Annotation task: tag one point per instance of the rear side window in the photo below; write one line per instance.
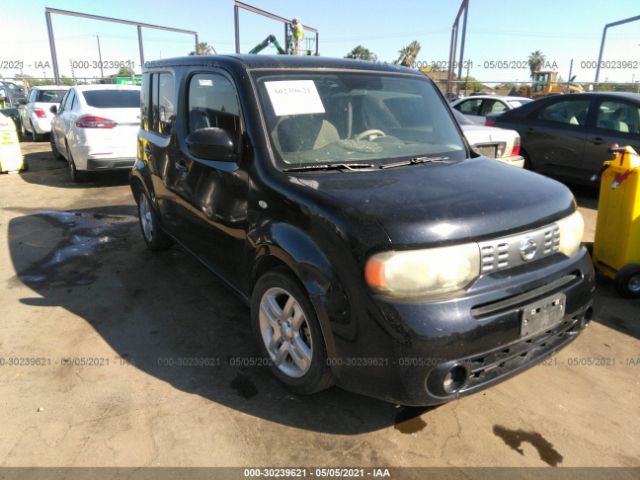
(164, 104)
(48, 96)
(570, 112)
(213, 102)
(469, 107)
(619, 117)
(112, 98)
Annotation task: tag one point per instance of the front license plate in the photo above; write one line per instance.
(543, 314)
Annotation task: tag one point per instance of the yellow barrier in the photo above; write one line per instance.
(11, 160)
(616, 249)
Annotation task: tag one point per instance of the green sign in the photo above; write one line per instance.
(137, 80)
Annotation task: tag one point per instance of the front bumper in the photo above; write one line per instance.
(414, 345)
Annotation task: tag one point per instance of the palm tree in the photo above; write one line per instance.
(204, 49)
(408, 54)
(536, 61)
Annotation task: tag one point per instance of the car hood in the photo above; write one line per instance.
(429, 204)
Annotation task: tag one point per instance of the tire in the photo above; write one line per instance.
(527, 160)
(54, 150)
(153, 235)
(628, 281)
(36, 137)
(74, 175)
(286, 327)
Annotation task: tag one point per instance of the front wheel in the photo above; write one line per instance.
(154, 236)
(287, 329)
(74, 175)
(628, 281)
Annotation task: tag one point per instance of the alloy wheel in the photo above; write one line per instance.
(285, 332)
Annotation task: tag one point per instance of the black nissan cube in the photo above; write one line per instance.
(340, 200)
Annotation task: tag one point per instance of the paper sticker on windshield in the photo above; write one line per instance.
(294, 97)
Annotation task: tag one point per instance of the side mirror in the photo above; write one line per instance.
(211, 144)
(53, 109)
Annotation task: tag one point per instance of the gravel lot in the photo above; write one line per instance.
(98, 326)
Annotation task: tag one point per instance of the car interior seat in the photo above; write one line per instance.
(297, 133)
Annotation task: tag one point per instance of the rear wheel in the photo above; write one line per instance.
(54, 149)
(527, 160)
(36, 137)
(74, 175)
(154, 236)
(287, 329)
(628, 281)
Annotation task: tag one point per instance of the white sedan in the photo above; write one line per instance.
(36, 116)
(492, 142)
(95, 128)
(477, 107)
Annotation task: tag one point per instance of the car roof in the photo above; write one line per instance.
(279, 61)
(106, 86)
(51, 87)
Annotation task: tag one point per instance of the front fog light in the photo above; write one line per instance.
(571, 232)
(426, 272)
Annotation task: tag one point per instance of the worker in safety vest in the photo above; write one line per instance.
(3, 97)
(297, 34)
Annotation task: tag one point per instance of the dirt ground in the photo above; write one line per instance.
(95, 327)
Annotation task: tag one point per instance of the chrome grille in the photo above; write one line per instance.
(505, 252)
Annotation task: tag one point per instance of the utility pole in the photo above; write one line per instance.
(100, 57)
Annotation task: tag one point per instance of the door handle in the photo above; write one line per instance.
(597, 140)
(181, 166)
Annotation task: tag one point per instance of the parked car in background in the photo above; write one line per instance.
(12, 97)
(36, 116)
(477, 107)
(498, 143)
(568, 136)
(95, 128)
(340, 200)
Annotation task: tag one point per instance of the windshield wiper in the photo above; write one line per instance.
(329, 166)
(416, 161)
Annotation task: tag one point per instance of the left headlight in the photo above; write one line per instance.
(428, 272)
(571, 232)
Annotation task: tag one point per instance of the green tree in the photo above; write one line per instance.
(472, 84)
(362, 53)
(203, 49)
(408, 54)
(536, 61)
(125, 72)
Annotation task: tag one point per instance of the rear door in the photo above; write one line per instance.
(615, 122)
(210, 195)
(554, 137)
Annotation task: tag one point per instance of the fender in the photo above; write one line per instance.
(282, 243)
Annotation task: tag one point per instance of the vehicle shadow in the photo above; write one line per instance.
(168, 316)
(44, 169)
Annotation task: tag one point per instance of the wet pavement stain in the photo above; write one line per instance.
(75, 260)
(408, 420)
(515, 438)
(244, 386)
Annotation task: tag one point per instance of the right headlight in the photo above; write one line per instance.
(425, 272)
(571, 232)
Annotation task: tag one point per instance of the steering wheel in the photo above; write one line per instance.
(369, 133)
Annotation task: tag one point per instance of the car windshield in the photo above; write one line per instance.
(50, 96)
(338, 117)
(112, 98)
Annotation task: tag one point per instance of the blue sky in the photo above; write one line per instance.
(497, 30)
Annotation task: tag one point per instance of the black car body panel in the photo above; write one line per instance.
(572, 151)
(244, 217)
